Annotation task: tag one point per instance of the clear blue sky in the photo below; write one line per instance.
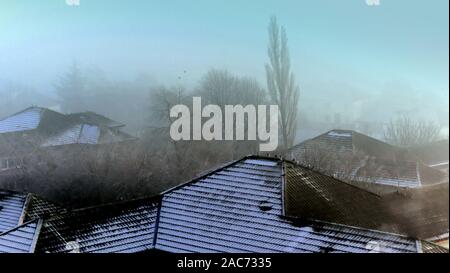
(398, 47)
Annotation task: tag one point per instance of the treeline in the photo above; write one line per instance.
(85, 175)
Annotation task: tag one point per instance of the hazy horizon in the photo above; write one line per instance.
(368, 62)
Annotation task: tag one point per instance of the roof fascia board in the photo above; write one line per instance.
(36, 235)
(25, 208)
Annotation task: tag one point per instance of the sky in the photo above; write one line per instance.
(343, 53)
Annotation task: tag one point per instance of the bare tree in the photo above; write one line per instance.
(281, 82)
(218, 87)
(162, 100)
(221, 87)
(405, 132)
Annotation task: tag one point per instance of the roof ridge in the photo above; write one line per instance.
(205, 174)
(119, 124)
(334, 178)
(321, 135)
(23, 111)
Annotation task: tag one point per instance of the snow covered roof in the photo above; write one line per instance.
(55, 129)
(116, 228)
(11, 209)
(237, 208)
(28, 119)
(21, 239)
(383, 163)
(15, 208)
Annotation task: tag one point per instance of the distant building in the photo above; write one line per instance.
(242, 207)
(352, 156)
(36, 129)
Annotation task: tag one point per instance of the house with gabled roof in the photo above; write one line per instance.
(237, 208)
(27, 136)
(352, 156)
(43, 127)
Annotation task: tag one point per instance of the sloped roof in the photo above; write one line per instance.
(86, 134)
(384, 164)
(97, 119)
(419, 213)
(57, 129)
(238, 208)
(15, 208)
(76, 134)
(11, 209)
(242, 207)
(21, 239)
(27, 119)
(428, 247)
(37, 207)
(118, 228)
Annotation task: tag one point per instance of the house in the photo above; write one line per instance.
(352, 156)
(36, 137)
(41, 127)
(237, 208)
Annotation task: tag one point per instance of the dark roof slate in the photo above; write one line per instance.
(27, 119)
(118, 228)
(56, 129)
(373, 160)
(419, 213)
(97, 119)
(237, 208)
(17, 208)
(11, 209)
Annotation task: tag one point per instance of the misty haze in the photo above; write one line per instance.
(93, 92)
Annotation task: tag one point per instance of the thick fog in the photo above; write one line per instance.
(357, 66)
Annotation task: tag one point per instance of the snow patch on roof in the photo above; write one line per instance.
(339, 134)
(23, 121)
(77, 134)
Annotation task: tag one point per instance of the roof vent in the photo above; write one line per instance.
(265, 206)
